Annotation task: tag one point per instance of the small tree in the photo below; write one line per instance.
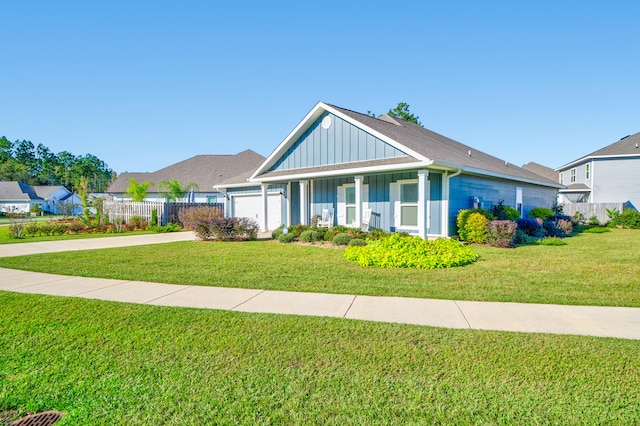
(401, 111)
(138, 191)
(172, 190)
(66, 208)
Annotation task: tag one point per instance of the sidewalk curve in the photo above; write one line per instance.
(601, 321)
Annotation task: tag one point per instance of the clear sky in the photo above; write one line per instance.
(145, 84)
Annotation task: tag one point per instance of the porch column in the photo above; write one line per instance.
(287, 200)
(445, 204)
(358, 180)
(423, 203)
(265, 209)
(303, 202)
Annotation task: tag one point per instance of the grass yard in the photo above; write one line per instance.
(108, 363)
(592, 269)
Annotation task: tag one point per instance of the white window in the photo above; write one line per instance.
(572, 175)
(409, 204)
(586, 171)
(561, 178)
(350, 203)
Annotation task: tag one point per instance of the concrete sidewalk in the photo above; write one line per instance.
(519, 317)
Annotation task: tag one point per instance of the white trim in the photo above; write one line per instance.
(594, 157)
(358, 184)
(397, 206)
(342, 172)
(480, 172)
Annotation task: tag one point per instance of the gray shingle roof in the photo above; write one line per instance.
(441, 149)
(541, 170)
(629, 145)
(17, 191)
(203, 170)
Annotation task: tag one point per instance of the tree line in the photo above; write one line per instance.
(22, 161)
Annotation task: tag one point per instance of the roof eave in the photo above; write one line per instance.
(475, 171)
(594, 157)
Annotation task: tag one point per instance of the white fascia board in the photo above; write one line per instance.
(593, 157)
(344, 172)
(317, 111)
(236, 185)
(481, 172)
(565, 190)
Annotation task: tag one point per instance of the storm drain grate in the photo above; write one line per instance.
(46, 418)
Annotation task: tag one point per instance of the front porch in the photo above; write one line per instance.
(414, 201)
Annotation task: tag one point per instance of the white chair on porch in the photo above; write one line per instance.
(366, 218)
(326, 221)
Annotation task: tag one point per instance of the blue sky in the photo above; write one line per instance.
(143, 85)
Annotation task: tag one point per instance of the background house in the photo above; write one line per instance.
(409, 178)
(18, 197)
(205, 171)
(608, 175)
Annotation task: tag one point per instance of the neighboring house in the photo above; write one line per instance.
(204, 171)
(18, 197)
(608, 175)
(543, 171)
(409, 178)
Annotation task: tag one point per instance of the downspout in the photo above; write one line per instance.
(445, 207)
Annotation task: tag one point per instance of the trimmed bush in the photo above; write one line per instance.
(540, 213)
(277, 232)
(359, 242)
(286, 238)
(169, 227)
(501, 233)
(298, 229)
(629, 218)
(593, 221)
(596, 230)
(226, 229)
(309, 236)
(463, 217)
(531, 227)
(190, 215)
(476, 228)
(500, 211)
(342, 239)
(522, 238)
(401, 251)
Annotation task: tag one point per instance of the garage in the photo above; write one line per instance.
(251, 206)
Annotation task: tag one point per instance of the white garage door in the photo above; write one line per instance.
(251, 206)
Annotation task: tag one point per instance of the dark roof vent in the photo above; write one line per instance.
(625, 137)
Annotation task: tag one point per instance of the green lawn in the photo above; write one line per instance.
(592, 269)
(109, 363)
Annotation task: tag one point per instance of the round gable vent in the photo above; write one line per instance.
(326, 122)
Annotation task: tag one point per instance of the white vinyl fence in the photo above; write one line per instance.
(167, 212)
(589, 210)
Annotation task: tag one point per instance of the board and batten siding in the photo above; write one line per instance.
(342, 142)
(490, 191)
(616, 180)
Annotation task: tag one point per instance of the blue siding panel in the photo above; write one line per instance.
(340, 143)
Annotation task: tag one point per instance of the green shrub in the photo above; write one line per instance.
(552, 241)
(359, 242)
(476, 228)
(309, 236)
(286, 238)
(32, 229)
(540, 213)
(500, 211)
(342, 239)
(298, 229)
(401, 251)
(377, 233)
(154, 218)
(463, 217)
(277, 232)
(169, 227)
(593, 221)
(76, 226)
(330, 233)
(523, 238)
(629, 218)
(501, 233)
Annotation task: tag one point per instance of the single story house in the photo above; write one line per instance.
(201, 171)
(394, 174)
(608, 175)
(18, 197)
